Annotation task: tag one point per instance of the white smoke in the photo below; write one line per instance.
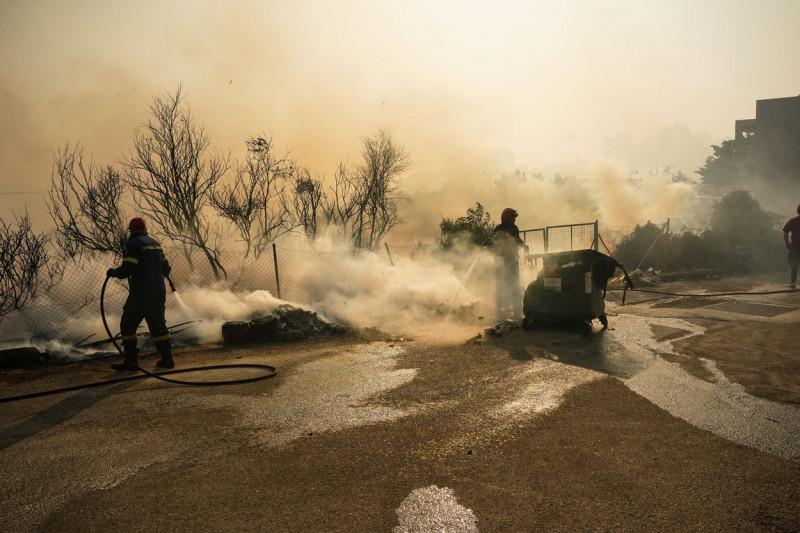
(397, 293)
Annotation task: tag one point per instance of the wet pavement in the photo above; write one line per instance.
(543, 430)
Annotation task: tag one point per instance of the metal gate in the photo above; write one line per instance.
(562, 238)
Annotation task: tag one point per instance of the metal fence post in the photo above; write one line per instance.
(389, 253)
(546, 244)
(277, 277)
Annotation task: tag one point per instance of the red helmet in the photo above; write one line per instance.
(508, 213)
(137, 224)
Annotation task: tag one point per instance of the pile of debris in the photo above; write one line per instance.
(25, 356)
(285, 324)
(638, 277)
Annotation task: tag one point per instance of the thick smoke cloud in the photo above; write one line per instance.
(554, 84)
(601, 191)
(492, 102)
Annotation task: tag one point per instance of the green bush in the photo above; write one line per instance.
(475, 228)
(646, 245)
(742, 238)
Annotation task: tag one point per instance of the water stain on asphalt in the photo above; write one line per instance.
(333, 393)
(720, 406)
(547, 384)
(327, 394)
(434, 509)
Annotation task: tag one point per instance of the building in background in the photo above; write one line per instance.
(767, 148)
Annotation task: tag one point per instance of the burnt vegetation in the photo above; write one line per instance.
(25, 265)
(198, 198)
(84, 200)
(173, 172)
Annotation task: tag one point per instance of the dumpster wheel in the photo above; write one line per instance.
(527, 323)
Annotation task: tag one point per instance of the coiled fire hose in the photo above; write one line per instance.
(269, 371)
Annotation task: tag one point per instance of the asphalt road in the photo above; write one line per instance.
(550, 430)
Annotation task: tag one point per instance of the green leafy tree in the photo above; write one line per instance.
(720, 168)
(680, 177)
(645, 246)
(474, 228)
(738, 218)
(747, 233)
(742, 238)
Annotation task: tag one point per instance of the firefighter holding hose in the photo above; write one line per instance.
(505, 244)
(146, 268)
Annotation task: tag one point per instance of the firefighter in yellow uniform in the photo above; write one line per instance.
(146, 268)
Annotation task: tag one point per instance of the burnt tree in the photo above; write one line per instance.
(84, 202)
(172, 174)
(255, 200)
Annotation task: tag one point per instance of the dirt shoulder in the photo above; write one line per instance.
(757, 347)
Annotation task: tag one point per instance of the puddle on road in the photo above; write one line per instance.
(548, 383)
(334, 392)
(532, 389)
(722, 407)
(327, 394)
(434, 509)
(331, 394)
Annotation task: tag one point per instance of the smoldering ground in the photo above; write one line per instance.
(399, 293)
(393, 294)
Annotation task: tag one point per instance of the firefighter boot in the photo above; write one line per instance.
(166, 360)
(129, 363)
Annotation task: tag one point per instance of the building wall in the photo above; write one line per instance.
(767, 151)
(777, 139)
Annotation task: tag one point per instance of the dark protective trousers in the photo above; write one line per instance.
(794, 261)
(149, 307)
(508, 290)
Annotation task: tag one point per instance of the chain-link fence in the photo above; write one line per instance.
(70, 308)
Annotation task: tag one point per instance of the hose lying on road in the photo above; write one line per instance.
(708, 295)
(270, 371)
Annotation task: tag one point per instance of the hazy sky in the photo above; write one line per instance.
(554, 82)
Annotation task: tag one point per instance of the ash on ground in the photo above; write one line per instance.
(284, 324)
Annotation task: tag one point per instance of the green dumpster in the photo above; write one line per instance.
(570, 288)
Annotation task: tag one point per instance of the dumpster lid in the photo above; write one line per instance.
(574, 255)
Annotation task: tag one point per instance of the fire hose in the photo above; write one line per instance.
(629, 287)
(269, 371)
(700, 295)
